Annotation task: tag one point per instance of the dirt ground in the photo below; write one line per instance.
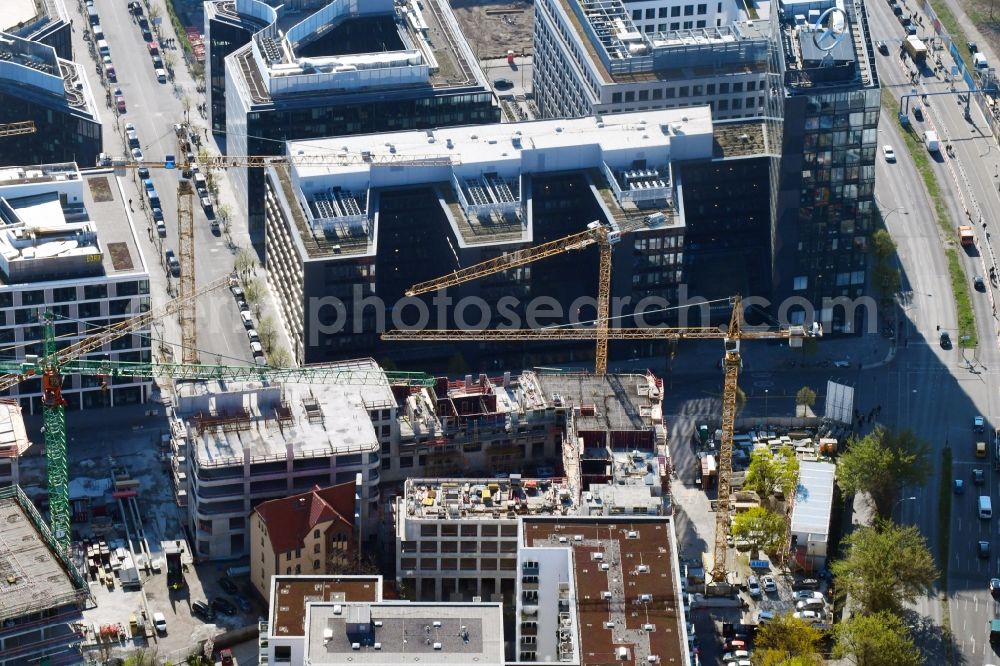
(494, 26)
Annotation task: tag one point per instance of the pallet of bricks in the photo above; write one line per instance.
(99, 563)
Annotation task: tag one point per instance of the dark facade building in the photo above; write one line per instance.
(826, 196)
(37, 85)
(229, 24)
(43, 21)
(349, 69)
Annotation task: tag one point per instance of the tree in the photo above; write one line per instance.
(882, 245)
(245, 264)
(881, 464)
(169, 61)
(787, 640)
(186, 105)
(888, 278)
(279, 358)
(762, 529)
(771, 472)
(154, 12)
(267, 333)
(252, 292)
(884, 567)
(805, 398)
(881, 639)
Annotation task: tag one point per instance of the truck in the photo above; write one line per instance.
(915, 48)
(175, 568)
(931, 141)
(965, 235)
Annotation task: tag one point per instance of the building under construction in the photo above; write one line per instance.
(41, 593)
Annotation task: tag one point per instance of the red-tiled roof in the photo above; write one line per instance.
(290, 519)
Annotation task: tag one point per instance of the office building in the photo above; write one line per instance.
(68, 246)
(349, 68)
(246, 444)
(37, 85)
(826, 197)
(14, 442)
(229, 24)
(326, 620)
(410, 206)
(599, 590)
(312, 532)
(43, 595)
(43, 21)
(596, 57)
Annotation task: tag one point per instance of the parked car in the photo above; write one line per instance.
(160, 622)
(978, 423)
(237, 291)
(769, 584)
(137, 154)
(810, 616)
(161, 229)
(763, 617)
(732, 644)
(978, 477)
(153, 47)
(753, 587)
(945, 340)
(502, 84)
(226, 657)
(736, 655)
(810, 604)
(227, 584)
(247, 318)
(983, 549)
(147, 36)
(802, 595)
(253, 335)
(806, 584)
(173, 264)
(202, 610)
(256, 348)
(973, 47)
(157, 62)
(223, 605)
(994, 586)
(161, 75)
(144, 172)
(158, 215)
(979, 283)
(959, 487)
(889, 153)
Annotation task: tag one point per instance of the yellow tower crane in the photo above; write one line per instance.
(731, 335)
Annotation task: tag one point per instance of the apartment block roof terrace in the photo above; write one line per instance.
(483, 173)
(811, 68)
(627, 589)
(614, 402)
(33, 69)
(483, 499)
(291, 594)
(27, 17)
(58, 225)
(353, 47)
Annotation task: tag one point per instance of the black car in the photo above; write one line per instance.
(228, 585)
(144, 172)
(202, 610)
(983, 548)
(147, 36)
(806, 584)
(978, 283)
(973, 47)
(223, 605)
(157, 215)
(882, 47)
(978, 477)
(503, 84)
(945, 340)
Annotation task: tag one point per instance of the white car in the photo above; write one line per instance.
(253, 335)
(888, 153)
(137, 154)
(769, 584)
(247, 318)
(810, 604)
(802, 595)
(753, 587)
(160, 622)
(161, 75)
(740, 662)
(129, 127)
(813, 617)
(735, 655)
(256, 349)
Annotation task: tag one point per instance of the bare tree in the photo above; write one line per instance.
(245, 264)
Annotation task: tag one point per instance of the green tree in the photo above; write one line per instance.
(806, 396)
(880, 639)
(880, 464)
(772, 472)
(884, 567)
(245, 264)
(787, 641)
(253, 291)
(154, 12)
(762, 529)
(882, 245)
(186, 105)
(279, 358)
(267, 333)
(887, 278)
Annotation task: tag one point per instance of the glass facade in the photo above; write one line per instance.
(223, 38)
(62, 133)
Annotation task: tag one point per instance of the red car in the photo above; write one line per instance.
(226, 657)
(110, 71)
(736, 644)
(154, 48)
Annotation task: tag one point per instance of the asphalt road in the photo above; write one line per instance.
(153, 108)
(932, 391)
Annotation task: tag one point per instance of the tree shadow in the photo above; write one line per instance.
(936, 644)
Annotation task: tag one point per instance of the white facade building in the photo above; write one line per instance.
(66, 253)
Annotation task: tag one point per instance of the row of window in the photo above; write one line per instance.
(698, 90)
(71, 293)
(661, 12)
(463, 564)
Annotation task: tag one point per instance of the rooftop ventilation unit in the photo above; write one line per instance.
(645, 598)
(577, 537)
(606, 596)
(597, 556)
(609, 625)
(437, 623)
(355, 646)
(338, 609)
(605, 566)
(437, 646)
(378, 623)
(648, 627)
(632, 534)
(377, 646)
(642, 568)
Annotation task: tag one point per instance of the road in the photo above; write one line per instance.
(933, 391)
(153, 108)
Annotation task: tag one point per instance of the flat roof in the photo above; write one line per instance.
(745, 138)
(31, 577)
(290, 594)
(814, 500)
(65, 214)
(612, 402)
(640, 558)
(402, 632)
(224, 420)
(17, 12)
(482, 499)
(13, 436)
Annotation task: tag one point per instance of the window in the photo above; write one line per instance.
(710, 89)
(751, 86)
(288, 556)
(298, 568)
(649, 28)
(658, 94)
(688, 24)
(405, 461)
(283, 653)
(63, 294)
(688, 10)
(629, 96)
(683, 91)
(697, 91)
(738, 87)
(315, 534)
(636, 14)
(661, 27)
(675, 26)
(315, 548)
(723, 88)
(675, 11)
(650, 14)
(800, 283)
(737, 104)
(643, 95)
(699, 24)
(616, 98)
(663, 12)
(670, 93)
(702, 9)
(315, 564)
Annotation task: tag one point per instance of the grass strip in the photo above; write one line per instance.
(950, 23)
(944, 546)
(967, 336)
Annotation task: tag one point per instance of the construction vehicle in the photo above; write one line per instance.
(965, 235)
(916, 49)
(175, 567)
(605, 235)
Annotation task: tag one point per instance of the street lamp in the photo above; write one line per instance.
(900, 501)
(765, 406)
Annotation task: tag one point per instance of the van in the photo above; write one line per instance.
(103, 48)
(98, 32)
(980, 62)
(985, 507)
(92, 13)
(931, 141)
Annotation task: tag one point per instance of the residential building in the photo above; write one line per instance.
(599, 590)
(811, 512)
(349, 68)
(43, 594)
(346, 241)
(68, 246)
(14, 442)
(317, 621)
(229, 24)
(39, 86)
(311, 532)
(244, 444)
(43, 21)
(826, 196)
(596, 57)
(457, 539)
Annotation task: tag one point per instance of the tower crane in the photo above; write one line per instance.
(54, 363)
(731, 336)
(16, 129)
